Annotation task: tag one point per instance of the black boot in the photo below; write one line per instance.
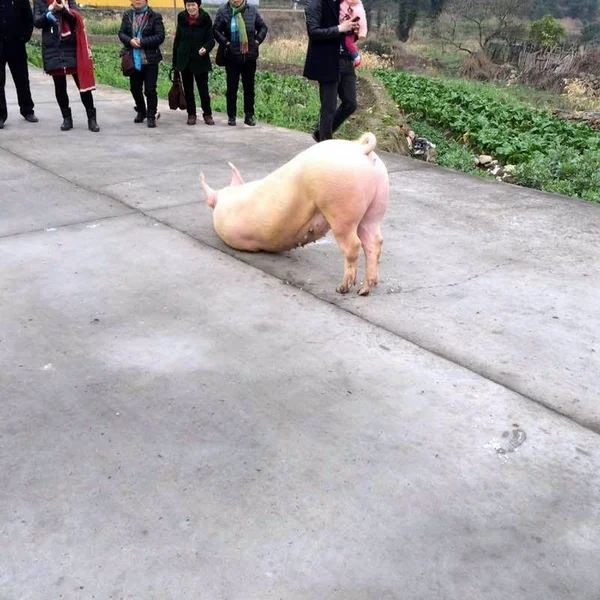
(67, 120)
(92, 124)
(141, 115)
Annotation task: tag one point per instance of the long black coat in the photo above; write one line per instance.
(188, 41)
(324, 40)
(58, 54)
(256, 29)
(152, 36)
(16, 22)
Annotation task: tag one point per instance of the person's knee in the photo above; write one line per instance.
(349, 105)
(328, 108)
(327, 115)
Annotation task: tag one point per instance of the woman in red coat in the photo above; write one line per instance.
(66, 51)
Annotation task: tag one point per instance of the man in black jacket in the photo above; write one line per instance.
(16, 26)
(328, 62)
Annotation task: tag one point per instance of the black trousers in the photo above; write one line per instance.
(15, 55)
(332, 116)
(187, 78)
(144, 83)
(247, 71)
(60, 90)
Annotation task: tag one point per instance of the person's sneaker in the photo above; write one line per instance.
(140, 118)
(250, 121)
(208, 119)
(191, 120)
(31, 118)
(151, 122)
(231, 121)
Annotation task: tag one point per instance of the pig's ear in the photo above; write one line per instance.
(211, 195)
(236, 178)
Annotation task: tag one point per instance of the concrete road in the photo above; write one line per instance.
(180, 420)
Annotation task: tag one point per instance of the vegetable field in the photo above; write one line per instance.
(549, 153)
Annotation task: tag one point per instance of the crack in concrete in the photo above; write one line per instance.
(455, 284)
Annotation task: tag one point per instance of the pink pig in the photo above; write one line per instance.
(338, 184)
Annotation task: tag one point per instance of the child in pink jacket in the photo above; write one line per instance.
(354, 9)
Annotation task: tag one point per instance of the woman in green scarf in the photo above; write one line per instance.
(240, 29)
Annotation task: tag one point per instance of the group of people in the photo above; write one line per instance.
(333, 27)
(238, 29)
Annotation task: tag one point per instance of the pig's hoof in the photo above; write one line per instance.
(342, 289)
(364, 291)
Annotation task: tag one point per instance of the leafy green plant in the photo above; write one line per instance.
(552, 154)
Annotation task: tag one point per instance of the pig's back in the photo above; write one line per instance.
(328, 179)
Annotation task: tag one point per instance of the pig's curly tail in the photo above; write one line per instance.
(369, 141)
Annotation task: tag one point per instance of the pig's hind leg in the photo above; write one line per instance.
(369, 232)
(371, 240)
(349, 244)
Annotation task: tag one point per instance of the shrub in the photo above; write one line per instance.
(546, 32)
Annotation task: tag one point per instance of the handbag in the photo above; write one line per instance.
(220, 56)
(176, 93)
(127, 64)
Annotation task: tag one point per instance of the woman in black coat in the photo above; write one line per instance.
(328, 62)
(193, 41)
(65, 51)
(142, 32)
(239, 28)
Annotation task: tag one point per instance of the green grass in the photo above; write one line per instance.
(284, 100)
(103, 26)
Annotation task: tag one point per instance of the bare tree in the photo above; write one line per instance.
(492, 20)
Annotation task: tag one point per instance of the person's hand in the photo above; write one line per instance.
(134, 43)
(348, 26)
(202, 51)
(58, 6)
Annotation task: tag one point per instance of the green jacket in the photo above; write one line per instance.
(188, 41)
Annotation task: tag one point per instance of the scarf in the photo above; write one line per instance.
(57, 18)
(85, 64)
(239, 35)
(140, 19)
